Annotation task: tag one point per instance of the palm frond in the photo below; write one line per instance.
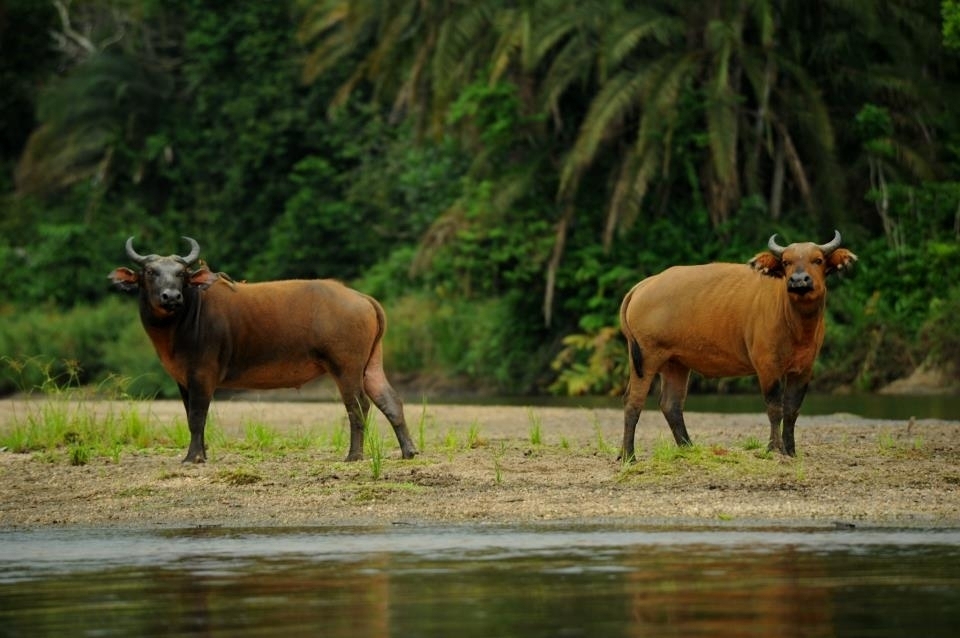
(321, 17)
(722, 132)
(795, 164)
(456, 39)
(331, 31)
(620, 96)
(342, 95)
(513, 43)
(636, 28)
(911, 161)
(513, 186)
(665, 81)
(807, 105)
(765, 21)
(621, 201)
(569, 66)
(549, 35)
(442, 232)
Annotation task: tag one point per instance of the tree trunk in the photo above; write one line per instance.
(559, 243)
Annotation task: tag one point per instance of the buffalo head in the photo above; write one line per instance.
(161, 280)
(805, 266)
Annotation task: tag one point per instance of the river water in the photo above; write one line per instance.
(483, 581)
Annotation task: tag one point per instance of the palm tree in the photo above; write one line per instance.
(727, 97)
(866, 56)
(748, 99)
(391, 45)
(108, 103)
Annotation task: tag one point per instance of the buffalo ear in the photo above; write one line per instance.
(202, 278)
(125, 279)
(840, 259)
(766, 263)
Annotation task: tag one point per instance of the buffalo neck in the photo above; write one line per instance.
(805, 318)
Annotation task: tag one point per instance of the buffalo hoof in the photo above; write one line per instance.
(194, 456)
(354, 457)
(782, 450)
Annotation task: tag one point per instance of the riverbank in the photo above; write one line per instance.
(492, 464)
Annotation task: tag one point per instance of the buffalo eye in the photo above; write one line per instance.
(786, 264)
(818, 261)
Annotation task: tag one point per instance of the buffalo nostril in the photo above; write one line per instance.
(801, 280)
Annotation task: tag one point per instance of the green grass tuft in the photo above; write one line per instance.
(373, 445)
(536, 430)
(667, 461)
(473, 435)
(603, 447)
(422, 426)
(259, 436)
(69, 427)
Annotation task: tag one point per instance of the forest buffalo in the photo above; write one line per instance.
(211, 332)
(764, 318)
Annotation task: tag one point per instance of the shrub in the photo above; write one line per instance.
(480, 340)
(940, 334)
(83, 345)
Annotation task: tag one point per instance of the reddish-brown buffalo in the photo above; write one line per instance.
(211, 332)
(764, 318)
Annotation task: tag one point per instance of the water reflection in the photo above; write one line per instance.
(544, 581)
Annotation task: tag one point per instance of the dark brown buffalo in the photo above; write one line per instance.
(211, 332)
(764, 318)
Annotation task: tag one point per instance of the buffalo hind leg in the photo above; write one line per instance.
(674, 378)
(378, 388)
(633, 399)
(358, 407)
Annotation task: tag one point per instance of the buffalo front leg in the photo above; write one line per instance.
(793, 394)
(388, 401)
(773, 396)
(197, 404)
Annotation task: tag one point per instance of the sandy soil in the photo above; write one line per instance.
(478, 464)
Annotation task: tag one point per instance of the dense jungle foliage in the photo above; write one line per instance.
(498, 173)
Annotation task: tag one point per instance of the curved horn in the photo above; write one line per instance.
(194, 251)
(774, 247)
(134, 256)
(831, 245)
